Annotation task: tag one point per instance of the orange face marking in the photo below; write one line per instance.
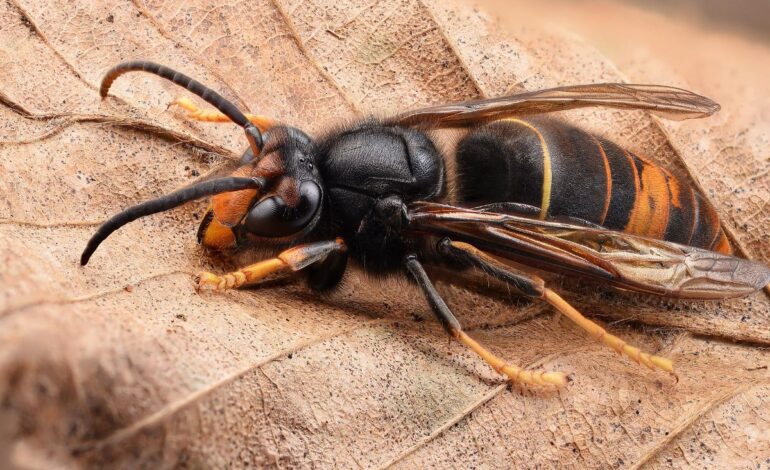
(651, 210)
(218, 236)
(230, 208)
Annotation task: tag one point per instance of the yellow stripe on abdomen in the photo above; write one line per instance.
(545, 201)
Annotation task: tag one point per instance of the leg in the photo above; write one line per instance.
(533, 286)
(450, 323)
(197, 114)
(286, 263)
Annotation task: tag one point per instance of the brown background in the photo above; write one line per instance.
(122, 362)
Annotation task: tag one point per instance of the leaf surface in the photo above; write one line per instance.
(122, 362)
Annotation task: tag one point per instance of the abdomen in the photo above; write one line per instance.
(564, 171)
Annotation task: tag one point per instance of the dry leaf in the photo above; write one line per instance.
(123, 363)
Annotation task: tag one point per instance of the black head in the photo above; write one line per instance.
(276, 195)
(291, 206)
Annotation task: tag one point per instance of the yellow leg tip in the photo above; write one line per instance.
(518, 375)
(663, 363)
(555, 378)
(207, 281)
(612, 341)
(184, 103)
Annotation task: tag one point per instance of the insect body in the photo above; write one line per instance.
(566, 172)
(532, 192)
(372, 172)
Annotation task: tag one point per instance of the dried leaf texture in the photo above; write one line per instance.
(122, 363)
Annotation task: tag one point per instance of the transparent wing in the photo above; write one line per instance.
(670, 102)
(627, 261)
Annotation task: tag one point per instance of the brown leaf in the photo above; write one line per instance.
(123, 363)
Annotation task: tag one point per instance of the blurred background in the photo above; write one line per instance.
(750, 18)
(718, 48)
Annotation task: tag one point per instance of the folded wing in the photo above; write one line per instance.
(626, 261)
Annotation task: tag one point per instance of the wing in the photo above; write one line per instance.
(670, 102)
(627, 261)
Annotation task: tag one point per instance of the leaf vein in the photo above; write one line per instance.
(172, 408)
(689, 420)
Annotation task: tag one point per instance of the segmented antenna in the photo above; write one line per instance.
(210, 96)
(164, 203)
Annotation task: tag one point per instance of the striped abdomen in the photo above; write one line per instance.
(565, 171)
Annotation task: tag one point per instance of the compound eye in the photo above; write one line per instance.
(271, 217)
